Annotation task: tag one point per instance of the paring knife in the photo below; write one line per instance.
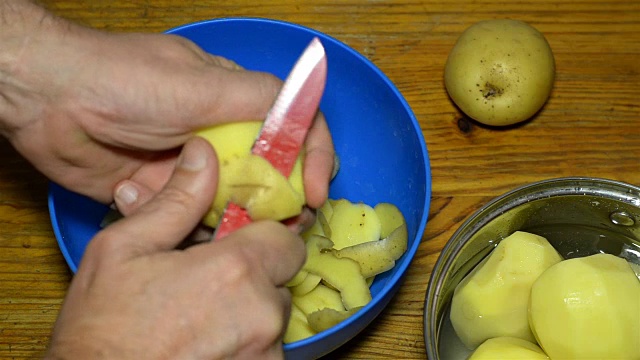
(286, 125)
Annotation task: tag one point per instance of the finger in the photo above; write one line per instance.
(269, 245)
(231, 92)
(130, 195)
(164, 221)
(224, 62)
(302, 222)
(236, 95)
(319, 162)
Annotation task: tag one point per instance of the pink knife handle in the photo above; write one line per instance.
(234, 218)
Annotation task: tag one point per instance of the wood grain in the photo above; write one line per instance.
(589, 127)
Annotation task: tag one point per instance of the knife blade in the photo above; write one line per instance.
(286, 125)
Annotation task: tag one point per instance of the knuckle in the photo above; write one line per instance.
(239, 266)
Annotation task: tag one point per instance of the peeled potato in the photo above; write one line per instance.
(249, 180)
(587, 308)
(508, 348)
(492, 301)
(353, 223)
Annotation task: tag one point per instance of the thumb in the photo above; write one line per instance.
(167, 219)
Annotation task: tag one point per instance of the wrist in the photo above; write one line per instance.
(80, 348)
(24, 28)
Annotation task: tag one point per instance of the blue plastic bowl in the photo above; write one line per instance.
(383, 153)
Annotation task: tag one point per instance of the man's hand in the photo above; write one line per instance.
(101, 113)
(134, 297)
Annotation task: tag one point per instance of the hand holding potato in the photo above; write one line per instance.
(98, 112)
(135, 297)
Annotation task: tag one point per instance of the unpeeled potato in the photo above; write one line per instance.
(249, 180)
(492, 301)
(500, 71)
(587, 308)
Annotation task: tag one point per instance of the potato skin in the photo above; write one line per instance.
(500, 72)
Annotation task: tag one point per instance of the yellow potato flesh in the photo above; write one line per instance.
(492, 301)
(249, 180)
(587, 308)
(353, 224)
(500, 72)
(508, 348)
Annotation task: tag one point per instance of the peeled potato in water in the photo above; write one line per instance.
(508, 348)
(492, 301)
(587, 308)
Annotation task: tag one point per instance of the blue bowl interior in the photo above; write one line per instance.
(382, 151)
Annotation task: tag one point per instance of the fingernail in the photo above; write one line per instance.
(126, 194)
(192, 158)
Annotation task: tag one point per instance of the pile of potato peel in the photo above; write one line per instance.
(349, 245)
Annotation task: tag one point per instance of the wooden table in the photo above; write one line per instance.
(589, 127)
